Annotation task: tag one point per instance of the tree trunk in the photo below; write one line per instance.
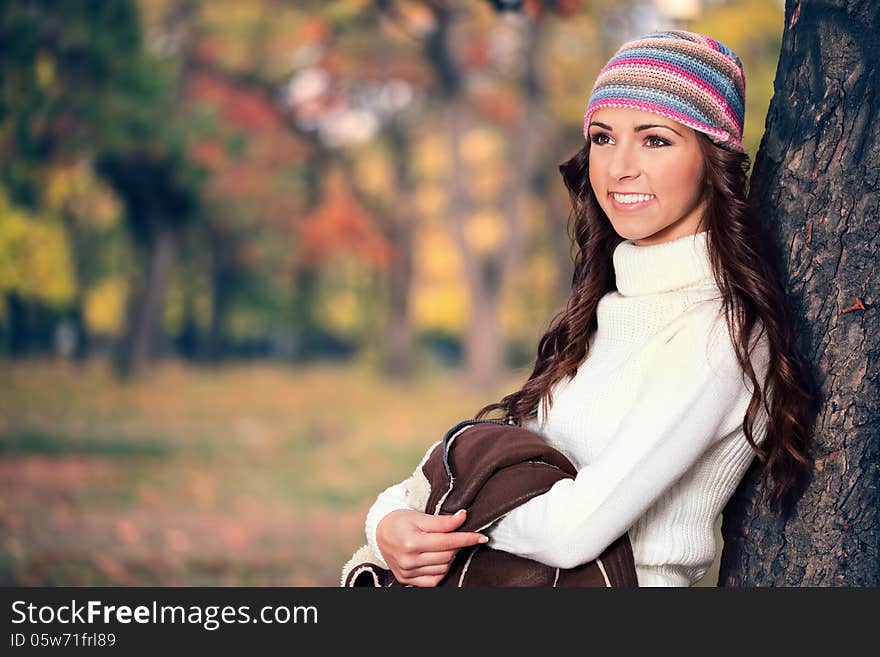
(80, 252)
(397, 347)
(403, 218)
(222, 277)
(486, 274)
(484, 347)
(305, 325)
(145, 308)
(816, 178)
(17, 343)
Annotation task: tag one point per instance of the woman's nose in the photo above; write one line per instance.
(624, 163)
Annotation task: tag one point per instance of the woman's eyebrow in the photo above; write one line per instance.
(638, 128)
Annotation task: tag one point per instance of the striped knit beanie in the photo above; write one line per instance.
(684, 76)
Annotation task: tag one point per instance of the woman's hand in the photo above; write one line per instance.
(418, 547)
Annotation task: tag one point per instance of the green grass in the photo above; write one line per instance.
(25, 443)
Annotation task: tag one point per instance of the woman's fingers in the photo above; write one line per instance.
(420, 547)
(432, 558)
(436, 569)
(437, 542)
(431, 580)
(431, 523)
(439, 533)
(422, 559)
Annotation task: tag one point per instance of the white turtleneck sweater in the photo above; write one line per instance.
(652, 420)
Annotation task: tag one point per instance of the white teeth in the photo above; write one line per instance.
(632, 198)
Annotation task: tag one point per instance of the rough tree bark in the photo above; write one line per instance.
(816, 181)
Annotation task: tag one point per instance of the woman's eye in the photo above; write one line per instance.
(599, 135)
(657, 141)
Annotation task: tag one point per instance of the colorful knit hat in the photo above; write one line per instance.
(684, 76)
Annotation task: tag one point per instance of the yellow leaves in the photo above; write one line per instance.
(374, 174)
(487, 184)
(528, 300)
(246, 322)
(105, 306)
(439, 294)
(435, 255)
(481, 147)
(484, 231)
(442, 305)
(679, 9)
(105, 210)
(440, 297)
(340, 311)
(574, 55)
(75, 189)
(344, 10)
(45, 69)
(430, 200)
(238, 15)
(431, 156)
(753, 29)
(483, 154)
(59, 186)
(342, 298)
(188, 298)
(739, 23)
(173, 312)
(34, 257)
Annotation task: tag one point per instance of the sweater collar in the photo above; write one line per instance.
(673, 265)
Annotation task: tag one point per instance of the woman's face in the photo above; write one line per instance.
(637, 152)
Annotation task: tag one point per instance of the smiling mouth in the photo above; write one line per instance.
(630, 201)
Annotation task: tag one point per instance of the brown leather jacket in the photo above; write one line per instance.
(489, 468)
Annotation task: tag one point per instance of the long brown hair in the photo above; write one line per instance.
(749, 279)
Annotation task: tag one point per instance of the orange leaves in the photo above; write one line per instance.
(501, 106)
(568, 7)
(249, 110)
(209, 154)
(207, 49)
(313, 30)
(341, 225)
(240, 108)
(476, 53)
(266, 147)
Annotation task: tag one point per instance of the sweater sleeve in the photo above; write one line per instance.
(395, 497)
(685, 403)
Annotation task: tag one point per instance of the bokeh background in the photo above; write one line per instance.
(257, 255)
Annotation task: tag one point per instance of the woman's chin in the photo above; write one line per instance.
(633, 233)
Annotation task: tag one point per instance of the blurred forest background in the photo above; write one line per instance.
(256, 255)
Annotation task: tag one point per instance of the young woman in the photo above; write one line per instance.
(673, 363)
